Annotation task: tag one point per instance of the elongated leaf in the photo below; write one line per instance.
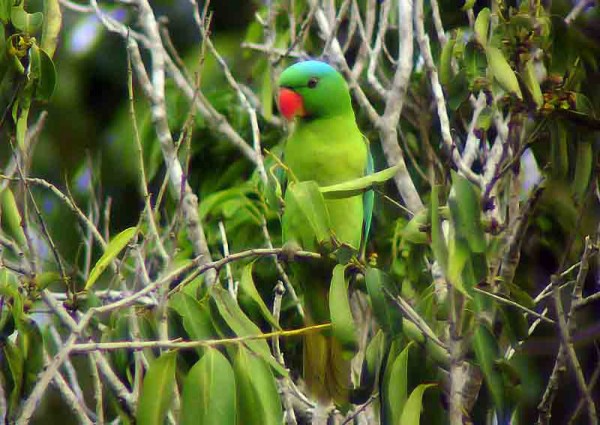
(213, 203)
(465, 210)
(241, 325)
(195, 316)
(371, 367)
(358, 186)
(305, 219)
(257, 397)
(26, 22)
(7, 324)
(368, 201)
(157, 390)
(468, 5)
(31, 344)
(397, 386)
(458, 258)
(446, 62)
(532, 84)
(273, 192)
(112, 250)
(247, 287)
(486, 353)
(21, 110)
(5, 7)
(385, 310)
(44, 279)
(51, 28)
(11, 217)
(584, 158)
(411, 414)
(475, 62)
(392, 354)
(341, 315)
(15, 360)
(482, 25)
(43, 72)
(502, 72)
(209, 392)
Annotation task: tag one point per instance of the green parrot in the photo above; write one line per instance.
(327, 147)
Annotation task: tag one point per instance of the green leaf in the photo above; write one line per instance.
(21, 111)
(45, 279)
(11, 217)
(372, 363)
(342, 322)
(397, 386)
(465, 210)
(258, 401)
(304, 204)
(458, 257)
(468, 5)
(112, 250)
(248, 288)
(486, 353)
(5, 7)
(475, 62)
(357, 186)
(43, 72)
(485, 118)
(584, 160)
(458, 90)
(26, 22)
(51, 28)
(411, 414)
(241, 325)
(213, 203)
(502, 72)
(157, 390)
(195, 315)
(15, 361)
(482, 26)
(7, 324)
(413, 231)
(532, 84)
(446, 62)
(10, 289)
(209, 392)
(272, 190)
(31, 345)
(385, 310)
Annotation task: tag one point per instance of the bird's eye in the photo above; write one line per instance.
(312, 83)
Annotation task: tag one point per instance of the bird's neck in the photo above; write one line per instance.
(327, 120)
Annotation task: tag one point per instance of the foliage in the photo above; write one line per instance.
(143, 185)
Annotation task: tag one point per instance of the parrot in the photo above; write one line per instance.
(326, 146)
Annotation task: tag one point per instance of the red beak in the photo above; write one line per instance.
(290, 103)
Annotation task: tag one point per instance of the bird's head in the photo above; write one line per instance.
(313, 89)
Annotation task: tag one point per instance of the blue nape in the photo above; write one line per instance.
(313, 67)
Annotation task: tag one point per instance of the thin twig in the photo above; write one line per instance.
(179, 344)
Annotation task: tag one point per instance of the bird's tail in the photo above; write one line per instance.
(326, 370)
